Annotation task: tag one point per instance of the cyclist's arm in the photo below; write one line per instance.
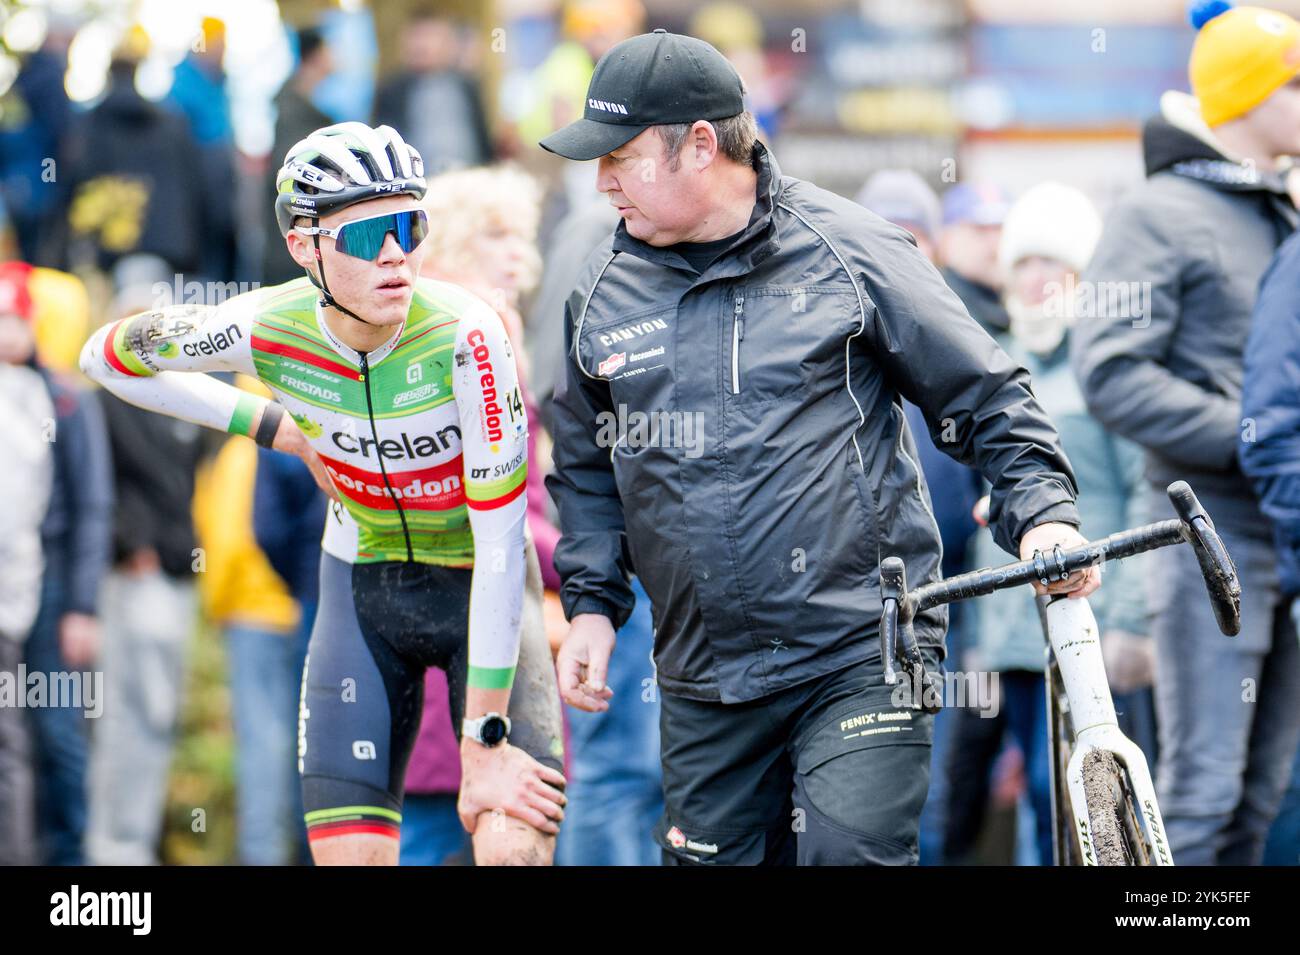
(143, 359)
(494, 437)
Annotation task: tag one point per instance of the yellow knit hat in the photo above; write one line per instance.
(1241, 55)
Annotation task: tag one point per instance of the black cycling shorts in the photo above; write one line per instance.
(378, 628)
(829, 772)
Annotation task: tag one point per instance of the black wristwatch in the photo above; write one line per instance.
(488, 730)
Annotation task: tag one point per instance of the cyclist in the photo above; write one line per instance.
(401, 395)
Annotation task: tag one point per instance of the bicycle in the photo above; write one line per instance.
(1107, 813)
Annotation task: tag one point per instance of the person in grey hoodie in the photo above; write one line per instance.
(1188, 248)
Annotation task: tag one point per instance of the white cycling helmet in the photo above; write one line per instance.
(343, 164)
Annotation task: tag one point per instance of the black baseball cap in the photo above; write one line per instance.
(647, 80)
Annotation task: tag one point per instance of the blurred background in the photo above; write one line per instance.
(139, 141)
(955, 90)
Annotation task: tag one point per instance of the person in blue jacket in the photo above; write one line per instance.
(1269, 452)
(289, 514)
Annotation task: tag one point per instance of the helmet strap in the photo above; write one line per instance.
(326, 299)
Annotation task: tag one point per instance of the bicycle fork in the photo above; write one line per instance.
(1075, 642)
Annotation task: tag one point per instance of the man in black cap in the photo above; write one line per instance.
(730, 427)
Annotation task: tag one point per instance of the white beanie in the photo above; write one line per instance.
(1053, 221)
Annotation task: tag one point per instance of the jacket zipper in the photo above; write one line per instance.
(737, 336)
(374, 433)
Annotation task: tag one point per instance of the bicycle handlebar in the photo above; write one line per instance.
(1193, 525)
(1217, 568)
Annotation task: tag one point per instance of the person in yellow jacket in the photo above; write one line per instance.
(61, 317)
(238, 586)
(559, 84)
(240, 592)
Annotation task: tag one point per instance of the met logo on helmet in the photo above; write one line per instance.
(312, 176)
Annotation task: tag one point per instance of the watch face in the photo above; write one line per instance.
(493, 731)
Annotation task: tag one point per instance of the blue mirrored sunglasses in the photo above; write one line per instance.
(363, 238)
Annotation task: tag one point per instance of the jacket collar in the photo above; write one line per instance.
(757, 242)
(1178, 140)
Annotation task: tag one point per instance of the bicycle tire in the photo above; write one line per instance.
(1103, 789)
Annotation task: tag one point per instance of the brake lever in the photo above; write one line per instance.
(1220, 575)
(926, 698)
(893, 591)
(1216, 563)
(896, 620)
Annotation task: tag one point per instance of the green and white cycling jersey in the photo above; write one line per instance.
(425, 438)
